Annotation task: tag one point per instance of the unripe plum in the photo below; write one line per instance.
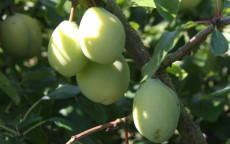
(156, 111)
(104, 83)
(21, 36)
(35, 35)
(64, 51)
(102, 36)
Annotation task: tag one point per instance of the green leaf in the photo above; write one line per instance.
(164, 45)
(8, 89)
(64, 91)
(59, 7)
(208, 110)
(177, 71)
(219, 44)
(167, 8)
(36, 136)
(134, 25)
(94, 110)
(222, 92)
(60, 122)
(226, 4)
(144, 3)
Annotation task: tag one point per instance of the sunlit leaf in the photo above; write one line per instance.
(164, 45)
(177, 71)
(60, 122)
(167, 8)
(59, 7)
(144, 3)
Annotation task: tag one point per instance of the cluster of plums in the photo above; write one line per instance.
(20, 36)
(92, 53)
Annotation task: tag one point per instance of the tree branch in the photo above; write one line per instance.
(198, 38)
(186, 49)
(108, 126)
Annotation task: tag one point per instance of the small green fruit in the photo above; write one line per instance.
(102, 36)
(156, 111)
(104, 83)
(64, 51)
(35, 35)
(21, 36)
(186, 4)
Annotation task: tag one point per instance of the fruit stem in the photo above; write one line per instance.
(72, 11)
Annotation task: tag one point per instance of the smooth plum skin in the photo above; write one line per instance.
(35, 38)
(21, 36)
(102, 36)
(64, 51)
(15, 36)
(156, 111)
(104, 83)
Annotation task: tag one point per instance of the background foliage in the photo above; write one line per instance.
(38, 105)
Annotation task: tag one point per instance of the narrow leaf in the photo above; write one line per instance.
(59, 7)
(222, 92)
(165, 44)
(144, 3)
(167, 8)
(219, 44)
(6, 87)
(64, 91)
(60, 122)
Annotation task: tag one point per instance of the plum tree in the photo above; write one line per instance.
(156, 111)
(102, 36)
(20, 36)
(104, 83)
(64, 51)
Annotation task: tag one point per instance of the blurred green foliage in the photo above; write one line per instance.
(39, 106)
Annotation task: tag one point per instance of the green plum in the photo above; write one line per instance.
(64, 51)
(156, 111)
(21, 36)
(104, 83)
(102, 36)
(35, 35)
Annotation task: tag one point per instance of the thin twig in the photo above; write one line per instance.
(186, 49)
(107, 126)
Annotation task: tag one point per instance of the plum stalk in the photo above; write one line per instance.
(73, 8)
